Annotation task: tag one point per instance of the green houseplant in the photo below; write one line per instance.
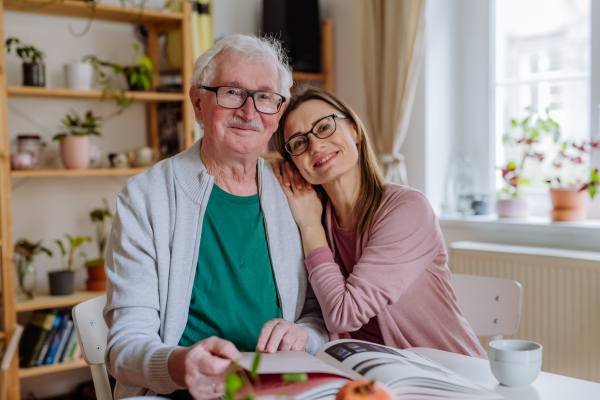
(63, 282)
(25, 253)
(75, 145)
(522, 145)
(138, 75)
(100, 217)
(34, 69)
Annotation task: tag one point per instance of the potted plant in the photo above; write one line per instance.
(34, 69)
(522, 145)
(25, 252)
(96, 276)
(75, 145)
(79, 75)
(63, 282)
(138, 76)
(572, 179)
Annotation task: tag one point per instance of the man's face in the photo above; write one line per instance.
(243, 130)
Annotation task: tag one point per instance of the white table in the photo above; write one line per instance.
(546, 387)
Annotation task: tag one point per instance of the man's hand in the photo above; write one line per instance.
(280, 334)
(202, 367)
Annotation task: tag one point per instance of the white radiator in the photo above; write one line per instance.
(561, 299)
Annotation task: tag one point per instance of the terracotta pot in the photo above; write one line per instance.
(75, 151)
(568, 204)
(518, 207)
(97, 278)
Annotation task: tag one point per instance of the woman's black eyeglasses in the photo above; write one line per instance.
(324, 128)
(234, 97)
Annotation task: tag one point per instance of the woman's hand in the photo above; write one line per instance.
(202, 367)
(307, 209)
(305, 204)
(279, 170)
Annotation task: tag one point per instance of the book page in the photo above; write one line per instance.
(399, 370)
(285, 362)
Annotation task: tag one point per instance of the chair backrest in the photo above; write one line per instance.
(492, 306)
(92, 334)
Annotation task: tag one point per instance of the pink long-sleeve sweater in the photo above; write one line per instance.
(401, 278)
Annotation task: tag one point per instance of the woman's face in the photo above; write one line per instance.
(326, 159)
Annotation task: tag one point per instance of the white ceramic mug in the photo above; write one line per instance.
(515, 363)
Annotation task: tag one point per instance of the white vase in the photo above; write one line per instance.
(513, 208)
(79, 76)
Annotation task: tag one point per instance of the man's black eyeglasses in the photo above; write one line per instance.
(324, 128)
(234, 97)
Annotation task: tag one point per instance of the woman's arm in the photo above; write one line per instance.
(306, 209)
(404, 240)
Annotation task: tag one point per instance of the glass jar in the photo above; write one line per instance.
(33, 144)
(27, 277)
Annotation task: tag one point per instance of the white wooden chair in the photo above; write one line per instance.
(492, 306)
(92, 334)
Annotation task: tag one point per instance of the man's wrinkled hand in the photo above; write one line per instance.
(202, 367)
(280, 334)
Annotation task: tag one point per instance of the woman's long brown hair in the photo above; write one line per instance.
(372, 183)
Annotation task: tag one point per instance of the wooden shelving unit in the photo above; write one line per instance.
(156, 23)
(50, 369)
(56, 173)
(40, 92)
(44, 301)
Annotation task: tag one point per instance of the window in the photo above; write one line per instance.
(542, 68)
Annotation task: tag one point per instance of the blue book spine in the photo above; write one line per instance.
(49, 339)
(53, 349)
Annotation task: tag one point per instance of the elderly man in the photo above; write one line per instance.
(204, 246)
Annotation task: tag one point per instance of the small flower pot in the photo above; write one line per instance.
(62, 283)
(34, 74)
(79, 76)
(96, 278)
(75, 151)
(568, 204)
(518, 207)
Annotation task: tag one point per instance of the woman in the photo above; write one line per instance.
(376, 257)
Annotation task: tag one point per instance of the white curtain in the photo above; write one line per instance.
(391, 52)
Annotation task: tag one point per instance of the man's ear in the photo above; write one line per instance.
(195, 99)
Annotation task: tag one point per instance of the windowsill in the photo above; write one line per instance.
(493, 220)
(532, 231)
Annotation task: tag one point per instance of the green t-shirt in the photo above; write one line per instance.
(234, 291)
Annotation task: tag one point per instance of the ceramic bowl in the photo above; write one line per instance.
(515, 363)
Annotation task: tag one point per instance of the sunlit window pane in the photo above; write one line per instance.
(542, 63)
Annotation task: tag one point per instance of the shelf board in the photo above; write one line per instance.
(44, 301)
(270, 154)
(49, 369)
(42, 92)
(79, 9)
(308, 76)
(52, 173)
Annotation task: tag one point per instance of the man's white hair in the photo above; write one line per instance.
(249, 49)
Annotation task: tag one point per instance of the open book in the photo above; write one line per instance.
(406, 374)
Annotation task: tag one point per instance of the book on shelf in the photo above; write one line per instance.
(404, 373)
(69, 348)
(35, 335)
(46, 346)
(58, 342)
